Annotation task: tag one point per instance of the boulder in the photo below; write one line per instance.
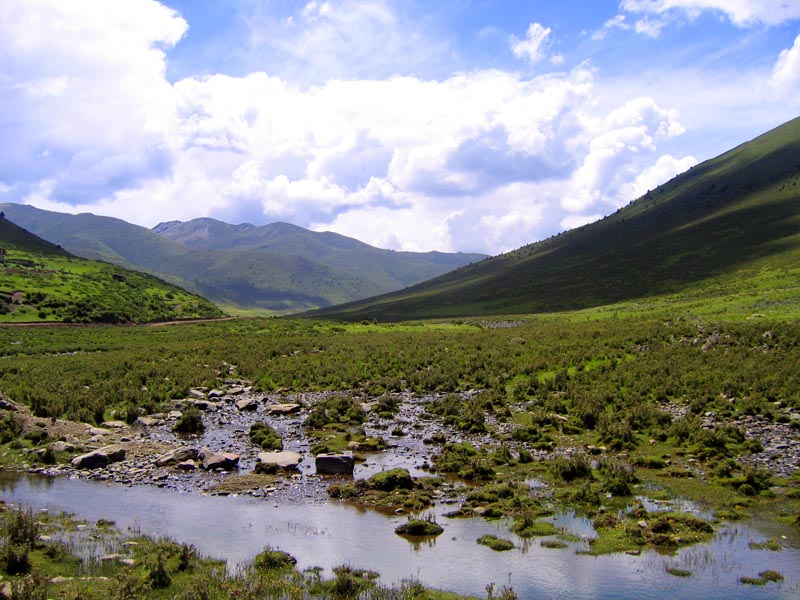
(187, 465)
(211, 460)
(177, 455)
(99, 458)
(284, 460)
(140, 429)
(247, 404)
(335, 463)
(282, 409)
(216, 394)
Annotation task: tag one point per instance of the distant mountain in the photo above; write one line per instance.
(42, 282)
(383, 269)
(277, 267)
(733, 220)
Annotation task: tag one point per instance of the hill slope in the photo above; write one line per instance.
(277, 267)
(734, 216)
(40, 281)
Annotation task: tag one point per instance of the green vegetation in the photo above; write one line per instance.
(190, 421)
(265, 436)
(495, 543)
(40, 282)
(390, 489)
(425, 527)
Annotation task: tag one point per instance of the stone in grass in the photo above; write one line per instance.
(335, 463)
(419, 528)
(496, 543)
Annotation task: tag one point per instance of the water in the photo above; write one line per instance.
(329, 534)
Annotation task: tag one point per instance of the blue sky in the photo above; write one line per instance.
(460, 125)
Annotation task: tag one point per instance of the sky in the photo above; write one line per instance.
(456, 125)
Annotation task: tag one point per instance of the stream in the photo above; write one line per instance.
(327, 534)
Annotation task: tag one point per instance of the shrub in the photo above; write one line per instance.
(265, 436)
(190, 421)
(336, 409)
(577, 466)
(14, 558)
(269, 560)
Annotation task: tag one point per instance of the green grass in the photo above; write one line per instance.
(40, 283)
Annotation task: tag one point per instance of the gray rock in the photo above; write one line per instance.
(247, 404)
(335, 463)
(99, 458)
(177, 455)
(282, 409)
(210, 460)
(285, 460)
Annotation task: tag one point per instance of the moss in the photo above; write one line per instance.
(553, 544)
(419, 528)
(495, 543)
(265, 436)
(677, 572)
(527, 527)
(771, 576)
(190, 421)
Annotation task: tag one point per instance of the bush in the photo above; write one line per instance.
(265, 436)
(190, 422)
(14, 558)
(577, 466)
(336, 409)
(21, 528)
(270, 560)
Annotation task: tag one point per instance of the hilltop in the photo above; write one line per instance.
(730, 225)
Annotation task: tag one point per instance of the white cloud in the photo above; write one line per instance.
(573, 221)
(534, 47)
(742, 13)
(616, 22)
(786, 73)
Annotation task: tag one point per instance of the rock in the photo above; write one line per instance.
(197, 393)
(187, 465)
(285, 460)
(60, 446)
(114, 424)
(176, 456)
(210, 460)
(7, 404)
(139, 428)
(335, 463)
(235, 391)
(206, 405)
(247, 404)
(99, 458)
(146, 421)
(216, 394)
(98, 431)
(282, 409)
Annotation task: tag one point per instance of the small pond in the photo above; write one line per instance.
(328, 534)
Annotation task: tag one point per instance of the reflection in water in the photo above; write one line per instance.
(328, 535)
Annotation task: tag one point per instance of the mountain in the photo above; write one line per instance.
(40, 281)
(278, 267)
(385, 269)
(728, 223)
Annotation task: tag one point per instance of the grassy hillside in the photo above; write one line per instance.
(728, 226)
(275, 268)
(41, 282)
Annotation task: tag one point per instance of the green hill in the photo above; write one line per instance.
(41, 282)
(729, 225)
(275, 268)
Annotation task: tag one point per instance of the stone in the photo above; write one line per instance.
(99, 458)
(282, 409)
(285, 460)
(187, 465)
(93, 431)
(60, 446)
(210, 460)
(247, 404)
(147, 421)
(177, 455)
(140, 429)
(335, 463)
(114, 424)
(216, 394)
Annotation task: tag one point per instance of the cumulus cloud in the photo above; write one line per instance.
(786, 73)
(533, 48)
(485, 160)
(742, 13)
